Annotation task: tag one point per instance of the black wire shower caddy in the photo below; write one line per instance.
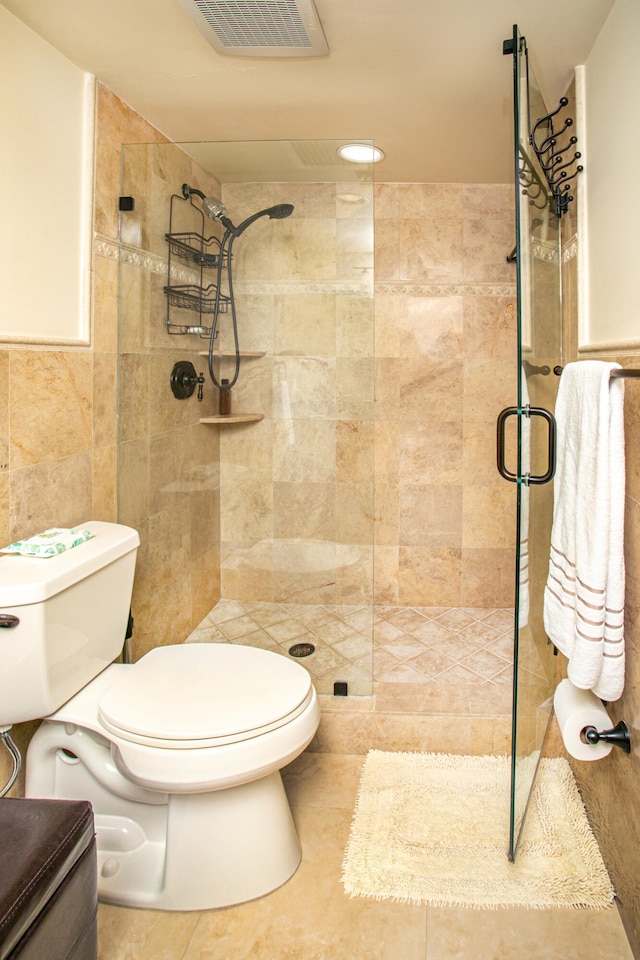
(200, 295)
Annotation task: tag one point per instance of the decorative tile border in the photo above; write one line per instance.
(143, 260)
(462, 289)
(282, 288)
(140, 259)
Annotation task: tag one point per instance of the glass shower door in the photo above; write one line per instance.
(539, 352)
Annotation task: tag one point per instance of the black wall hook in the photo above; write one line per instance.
(559, 168)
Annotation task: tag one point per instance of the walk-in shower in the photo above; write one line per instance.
(270, 509)
(259, 526)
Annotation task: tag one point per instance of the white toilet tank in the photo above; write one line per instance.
(72, 610)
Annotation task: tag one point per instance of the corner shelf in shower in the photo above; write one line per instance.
(234, 418)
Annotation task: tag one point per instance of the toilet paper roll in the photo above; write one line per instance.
(575, 710)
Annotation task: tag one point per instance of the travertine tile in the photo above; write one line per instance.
(68, 501)
(105, 484)
(133, 396)
(105, 399)
(430, 327)
(4, 410)
(51, 405)
(311, 916)
(487, 576)
(125, 934)
(323, 780)
(5, 522)
(429, 575)
(458, 934)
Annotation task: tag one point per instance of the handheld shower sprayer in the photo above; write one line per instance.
(279, 212)
(216, 210)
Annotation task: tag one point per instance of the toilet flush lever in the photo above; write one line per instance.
(8, 620)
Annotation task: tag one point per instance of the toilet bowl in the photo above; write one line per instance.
(180, 753)
(180, 756)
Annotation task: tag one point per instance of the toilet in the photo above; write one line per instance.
(179, 753)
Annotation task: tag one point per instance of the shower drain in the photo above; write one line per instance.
(302, 649)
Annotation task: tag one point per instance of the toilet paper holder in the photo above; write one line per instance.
(619, 736)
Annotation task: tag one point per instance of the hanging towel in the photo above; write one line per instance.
(584, 595)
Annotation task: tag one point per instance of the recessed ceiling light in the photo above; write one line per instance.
(360, 153)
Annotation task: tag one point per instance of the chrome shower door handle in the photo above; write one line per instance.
(527, 411)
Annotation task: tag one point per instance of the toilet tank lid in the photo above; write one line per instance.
(25, 580)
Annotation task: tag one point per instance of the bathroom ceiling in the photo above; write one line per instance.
(424, 79)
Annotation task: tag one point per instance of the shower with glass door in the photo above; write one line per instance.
(545, 163)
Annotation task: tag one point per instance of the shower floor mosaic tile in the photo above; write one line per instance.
(435, 645)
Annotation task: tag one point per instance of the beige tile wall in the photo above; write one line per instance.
(441, 362)
(169, 461)
(445, 361)
(297, 487)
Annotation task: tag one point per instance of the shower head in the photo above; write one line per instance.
(214, 208)
(279, 212)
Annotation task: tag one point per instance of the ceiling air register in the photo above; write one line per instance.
(259, 28)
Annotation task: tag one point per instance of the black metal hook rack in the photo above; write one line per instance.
(544, 138)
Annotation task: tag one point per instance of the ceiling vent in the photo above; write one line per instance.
(259, 28)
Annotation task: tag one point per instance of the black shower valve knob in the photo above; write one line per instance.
(184, 379)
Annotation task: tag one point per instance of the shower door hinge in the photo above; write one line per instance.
(126, 204)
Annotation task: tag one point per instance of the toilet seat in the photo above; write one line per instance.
(190, 696)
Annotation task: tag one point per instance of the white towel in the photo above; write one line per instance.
(584, 595)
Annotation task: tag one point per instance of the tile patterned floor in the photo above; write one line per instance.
(439, 645)
(311, 918)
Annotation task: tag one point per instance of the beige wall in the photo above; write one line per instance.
(610, 787)
(46, 171)
(612, 76)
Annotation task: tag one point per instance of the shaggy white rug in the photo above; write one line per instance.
(433, 828)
